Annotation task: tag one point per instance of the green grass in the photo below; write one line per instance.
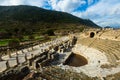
(4, 42)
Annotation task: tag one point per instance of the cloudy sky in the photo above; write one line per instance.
(102, 12)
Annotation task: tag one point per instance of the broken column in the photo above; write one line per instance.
(7, 64)
(74, 40)
(59, 49)
(29, 62)
(32, 47)
(42, 50)
(22, 51)
(8, 51)
(17, 60)
(52, 56)
(40, 67)
(62, 50)
(49, 57)
(26, 57)
(16, 52)
(1, 57)
(34, 64)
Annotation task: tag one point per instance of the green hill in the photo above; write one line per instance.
(30, 19)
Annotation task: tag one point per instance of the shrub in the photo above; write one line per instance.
(31, 37)
(14, 43)
(49, 32)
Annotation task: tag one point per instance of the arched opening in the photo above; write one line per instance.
(92, 34)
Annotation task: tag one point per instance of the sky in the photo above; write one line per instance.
(102, 12)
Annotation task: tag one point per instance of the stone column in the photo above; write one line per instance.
(22, 51)
(68, 43)
(61, 50)
(32, 55)
(52, 50)
(8, 51)
(29, 62)
(1, 57)
(40, 67)
(26, 57)
(41, 50)
(34, 64)
(32, 47)
(16, 52)
(67, 47)
(17, 60)
(49, 55)
(52, 56)
(7, 64)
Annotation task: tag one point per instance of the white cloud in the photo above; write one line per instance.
(11, 2)
(90, 2)
(66, 5)
(104, 13)
(39, 3)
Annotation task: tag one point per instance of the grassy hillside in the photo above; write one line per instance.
(35, 14)
(27, 20)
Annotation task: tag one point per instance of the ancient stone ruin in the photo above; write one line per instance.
(93, 54)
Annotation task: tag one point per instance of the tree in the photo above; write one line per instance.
(46, 37)
(31, 37)
(0, 56)
(23, 30)
(50, 32)
(81, 29)
(14, 43)
(16, 30)
(20, 37)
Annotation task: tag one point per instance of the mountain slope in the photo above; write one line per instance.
(34, 19)
(31, 13)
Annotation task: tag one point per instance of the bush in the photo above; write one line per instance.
(20, 37)
(46, 37)
(31, 37)
(49, 32)
(14, 43)
(81, 29)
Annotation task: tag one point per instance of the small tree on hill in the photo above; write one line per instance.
(46, 37)
(49, 32)
(14, 43)
(31, 37)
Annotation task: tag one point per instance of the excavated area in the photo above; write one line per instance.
(76, 60)
(103, 58)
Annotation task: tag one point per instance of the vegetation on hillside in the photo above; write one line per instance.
(20, 21)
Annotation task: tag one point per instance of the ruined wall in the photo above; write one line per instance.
(109, 34)
(37, 57)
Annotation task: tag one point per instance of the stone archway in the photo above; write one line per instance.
(92, 34)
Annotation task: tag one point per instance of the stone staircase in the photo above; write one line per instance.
(109, 47)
